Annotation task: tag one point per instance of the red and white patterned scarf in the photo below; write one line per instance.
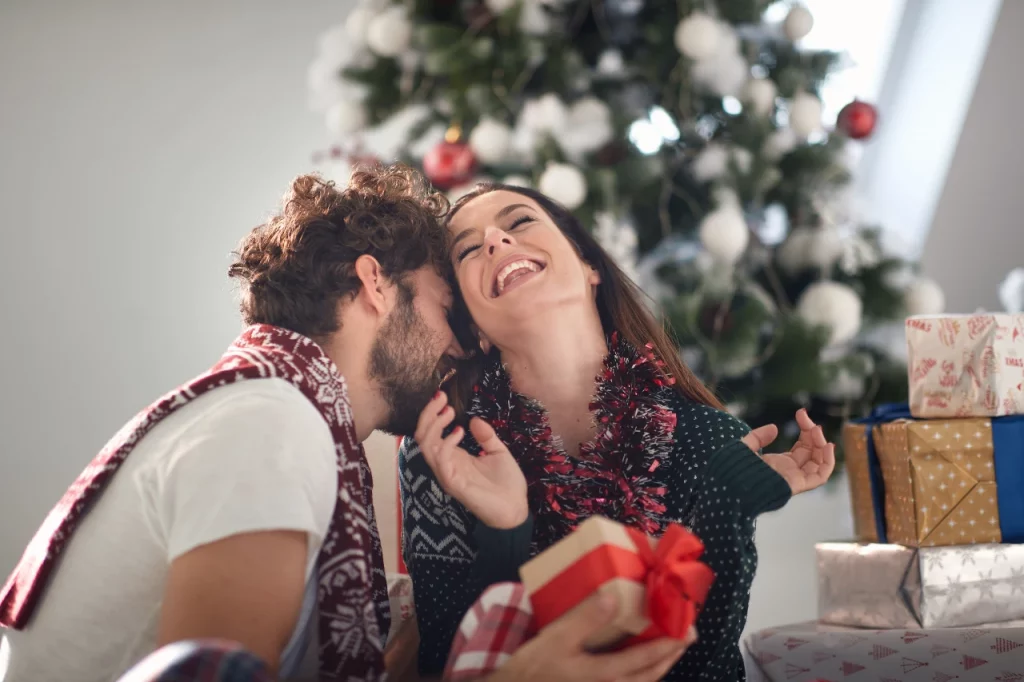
(353, 612)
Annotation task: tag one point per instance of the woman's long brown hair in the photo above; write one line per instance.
(619, 302)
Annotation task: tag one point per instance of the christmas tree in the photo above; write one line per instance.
(689, 135)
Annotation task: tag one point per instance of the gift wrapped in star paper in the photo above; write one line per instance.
(855, 447)
(952, 481)
(890, 586)
(966, 365)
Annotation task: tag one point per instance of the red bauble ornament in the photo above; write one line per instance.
(857, 119)
(449, 165)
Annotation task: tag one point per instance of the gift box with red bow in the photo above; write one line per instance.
(660, 585)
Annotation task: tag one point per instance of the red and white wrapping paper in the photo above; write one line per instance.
(812, 652)
(966, 365)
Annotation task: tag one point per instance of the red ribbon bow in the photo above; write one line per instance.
(677, 582)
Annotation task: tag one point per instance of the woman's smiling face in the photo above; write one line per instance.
(513, 262)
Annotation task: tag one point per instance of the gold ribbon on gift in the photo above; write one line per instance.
(855, 448)
(940, 483)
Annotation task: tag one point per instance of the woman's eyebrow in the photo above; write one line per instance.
(511, 208)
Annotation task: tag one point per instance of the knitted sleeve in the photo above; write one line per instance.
(717, 489)
(439, 551)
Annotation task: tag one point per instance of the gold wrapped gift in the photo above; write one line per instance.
(855, 447)
(940, 484)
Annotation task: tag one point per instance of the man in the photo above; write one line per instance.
(238, 507)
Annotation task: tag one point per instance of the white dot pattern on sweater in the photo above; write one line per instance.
(439, 547)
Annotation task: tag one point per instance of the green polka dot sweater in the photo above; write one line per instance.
(711, 483)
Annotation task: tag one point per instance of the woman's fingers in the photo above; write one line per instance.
(444, 463)
(761, 437)
(485, 436)
(431, 424)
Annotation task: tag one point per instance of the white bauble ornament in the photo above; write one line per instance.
(805, 114)
(724, 74)
(346, 117)
(490, 141)
(610, 64)
(792, 254)
(924, 296)
(546, 114)
(832, 305)
(711, 163)
(565, 184)
(742, 158)
(725, 196)
(390, 32)
(588, 127)
(500, 6)
(357, 24)
(1011, 291)
(517, 181)
(780, 143)
(760, 94)
(533, 20)
(798, 23)
(824, 247)
(698, 36)
(724, 234)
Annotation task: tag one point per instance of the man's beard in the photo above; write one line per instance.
(404, 366)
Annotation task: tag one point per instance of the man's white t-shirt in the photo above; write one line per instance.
(251, 456)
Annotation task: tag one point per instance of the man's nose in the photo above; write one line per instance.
(455, 349)
(493, 238)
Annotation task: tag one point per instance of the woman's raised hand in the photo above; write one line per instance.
(492, 486)
(811, 461)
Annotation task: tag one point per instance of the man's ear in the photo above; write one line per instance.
(375, 290)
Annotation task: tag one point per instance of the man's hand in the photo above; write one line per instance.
(246, 588)
(492, 486)
(557, 652)
(811, 461)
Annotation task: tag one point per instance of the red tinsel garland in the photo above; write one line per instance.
(615, 474)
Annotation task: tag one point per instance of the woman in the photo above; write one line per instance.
(646, 446)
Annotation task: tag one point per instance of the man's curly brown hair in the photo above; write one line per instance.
(295, 268)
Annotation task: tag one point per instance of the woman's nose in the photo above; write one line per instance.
(495, 237)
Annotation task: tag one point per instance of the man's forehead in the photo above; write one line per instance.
(429, 282)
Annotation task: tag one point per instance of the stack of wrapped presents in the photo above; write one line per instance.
(933, 587)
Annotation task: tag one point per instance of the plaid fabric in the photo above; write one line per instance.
(491, 631)
(203, 661)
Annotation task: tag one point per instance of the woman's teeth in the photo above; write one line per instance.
(508, 274)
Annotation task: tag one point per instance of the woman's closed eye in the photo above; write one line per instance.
(518, 222)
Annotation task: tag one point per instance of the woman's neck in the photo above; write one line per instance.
(555, 362)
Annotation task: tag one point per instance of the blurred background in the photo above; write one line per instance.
(787, 180)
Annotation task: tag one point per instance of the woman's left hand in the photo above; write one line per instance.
(811, 461)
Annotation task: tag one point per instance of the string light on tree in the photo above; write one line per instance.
(450, 163)
(857, 120)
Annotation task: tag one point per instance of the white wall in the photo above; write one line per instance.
(977, 234)
(139, 141)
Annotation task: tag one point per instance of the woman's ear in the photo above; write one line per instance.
(593, 277)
